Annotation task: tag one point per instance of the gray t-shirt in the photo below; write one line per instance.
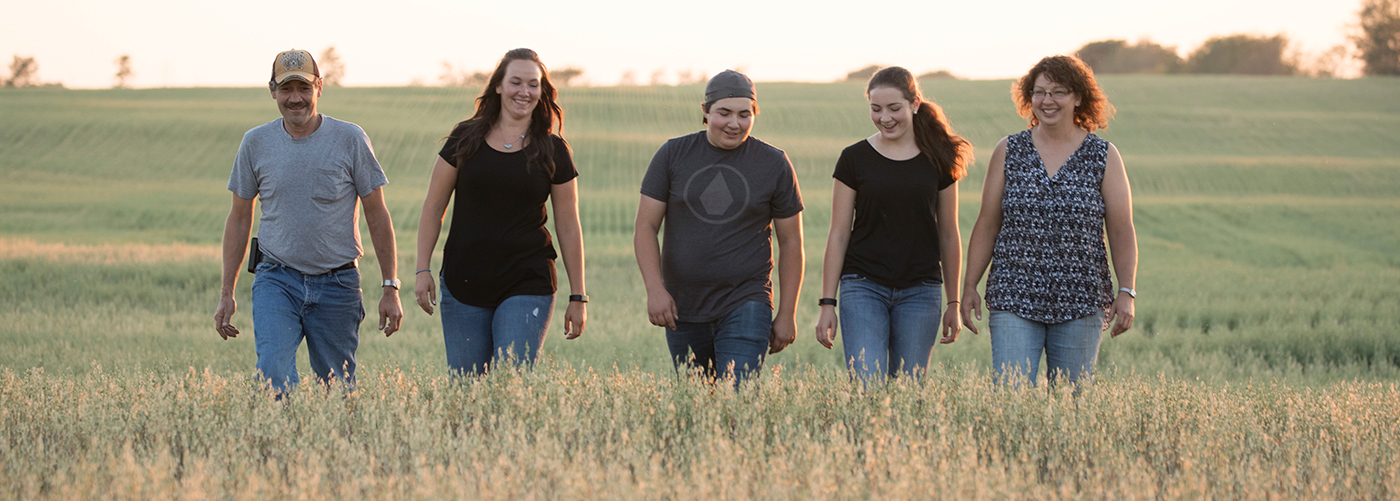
(717, 250)
(310, 189)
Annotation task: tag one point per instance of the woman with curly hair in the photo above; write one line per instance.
(1051, 192)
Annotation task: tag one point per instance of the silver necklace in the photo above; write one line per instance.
(503, 140)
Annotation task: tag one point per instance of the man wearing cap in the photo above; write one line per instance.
(311, 172)
(721, 194)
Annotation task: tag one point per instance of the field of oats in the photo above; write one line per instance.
(1265, 361)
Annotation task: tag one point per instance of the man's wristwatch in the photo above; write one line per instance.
(392, 283)
(826, 301)
(1131, 293)
(578, 298)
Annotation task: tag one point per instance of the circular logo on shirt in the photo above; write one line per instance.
(717, 194)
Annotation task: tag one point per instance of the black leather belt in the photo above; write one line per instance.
(347, 266)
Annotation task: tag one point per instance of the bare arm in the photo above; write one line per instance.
(1122, 237)
(661, 308)
(440, 187)
(236, 230)
(984, 234)
(570, 233)
(950, 253)
(791, 260)
(843, 207)
(381, 232)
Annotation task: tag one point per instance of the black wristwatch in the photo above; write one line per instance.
(579, 298)
(826, 300)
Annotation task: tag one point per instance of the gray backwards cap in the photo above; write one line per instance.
(729, 83)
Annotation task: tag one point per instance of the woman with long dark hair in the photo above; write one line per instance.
(1052, 191)
(498, 279)
(894, 234)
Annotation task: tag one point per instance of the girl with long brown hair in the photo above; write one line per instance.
(894, 237)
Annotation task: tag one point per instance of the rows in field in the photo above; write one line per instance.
(165, 134)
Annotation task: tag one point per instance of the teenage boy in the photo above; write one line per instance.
(721, 194)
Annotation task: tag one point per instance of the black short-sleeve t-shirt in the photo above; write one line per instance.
(497, 246)
(894, 238)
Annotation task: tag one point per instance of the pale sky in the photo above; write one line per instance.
(180, 43)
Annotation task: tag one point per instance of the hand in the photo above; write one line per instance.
(661, 309)
(1121, 314)
(826, 326)
(222, 315)
(425, 291)
(952, 324)
(971, 304)
(783, 334)
(390, 312)
(574, 317)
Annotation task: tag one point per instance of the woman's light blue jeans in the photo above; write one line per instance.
(480, 338)
(888, 331)
(1070, 348)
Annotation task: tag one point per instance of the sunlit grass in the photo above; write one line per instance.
(11, 249)
(563, 432)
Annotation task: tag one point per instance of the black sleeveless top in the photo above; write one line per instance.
(1050, 261)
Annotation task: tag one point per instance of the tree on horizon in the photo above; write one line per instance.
(1118, 56)
(332, 69)
(1243, 55)
(863, 74)
(123, 71)
(564, 77)
(23, 72)
(1378, 40)
(938, 75)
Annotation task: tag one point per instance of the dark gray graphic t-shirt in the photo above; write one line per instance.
(716, 248)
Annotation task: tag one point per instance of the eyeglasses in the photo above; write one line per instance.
(1057, 94)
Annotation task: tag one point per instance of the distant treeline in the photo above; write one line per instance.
(1233, 54)
(1375, 43)
(1236, 54)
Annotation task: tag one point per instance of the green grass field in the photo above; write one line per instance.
(1264, 360)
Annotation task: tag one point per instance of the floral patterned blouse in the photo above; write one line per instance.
(1050, 261)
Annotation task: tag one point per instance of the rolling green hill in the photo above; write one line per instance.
(1266, 212)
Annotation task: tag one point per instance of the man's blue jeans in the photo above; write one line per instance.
(326, 310)
(888, 331)
(1070, 348)
(480, 338)
(731, 346)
